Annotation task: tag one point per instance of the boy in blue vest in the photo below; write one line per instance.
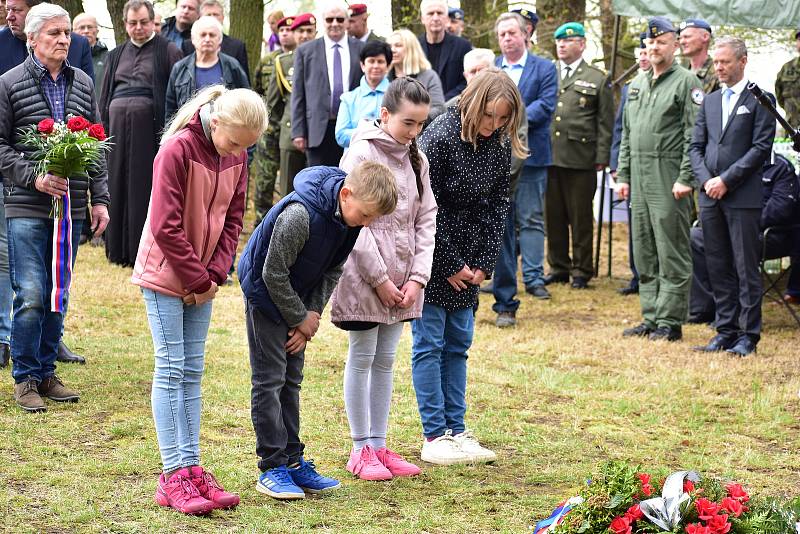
(288, 271)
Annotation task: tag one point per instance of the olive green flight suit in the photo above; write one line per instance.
(580, 135)
(266, 159)
(279, 100)
(657, 128)
(787, 91)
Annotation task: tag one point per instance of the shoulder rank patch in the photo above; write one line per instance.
(633, 91)
(697, 95)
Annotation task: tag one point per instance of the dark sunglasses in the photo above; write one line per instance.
(330, 20)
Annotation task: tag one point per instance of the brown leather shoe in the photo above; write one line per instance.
(28, 397)
(54, 389)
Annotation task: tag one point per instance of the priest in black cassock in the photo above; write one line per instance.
(132, 108)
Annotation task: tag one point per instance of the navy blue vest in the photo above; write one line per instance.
(329, 241)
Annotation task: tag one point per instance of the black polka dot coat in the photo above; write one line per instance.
(471, 189)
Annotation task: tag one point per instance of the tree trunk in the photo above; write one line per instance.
(247, 24)
(406, 15)
(73, 7)
(479, 17)
(554, 13)
(115, 10)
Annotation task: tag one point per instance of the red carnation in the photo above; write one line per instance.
(76, 124)
(719, 524)
(635, 513)
(620, 525)
(688, 486)
(732, 506)
(45, 126)
(697, 528)
(706, 509)
(644, 478)
(97, 131)
(737, 492)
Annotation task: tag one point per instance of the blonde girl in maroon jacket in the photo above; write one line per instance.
(383, 279)
(187, 246)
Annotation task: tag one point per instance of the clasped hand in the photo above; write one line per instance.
(466, 276)
(715, 188)
(201, 298)
(302, 333)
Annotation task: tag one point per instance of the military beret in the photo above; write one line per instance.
(570, 29)
(528, 15)
(642, 39)
(285, 21)
(304, 20)
(659, 26)
(455, 13)
(694, 23)
(357, 9)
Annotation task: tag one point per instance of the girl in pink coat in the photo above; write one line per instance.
(383, 280)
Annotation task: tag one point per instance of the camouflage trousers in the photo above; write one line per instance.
(266, 164)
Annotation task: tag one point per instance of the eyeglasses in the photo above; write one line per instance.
(330, 20)
(142, 23)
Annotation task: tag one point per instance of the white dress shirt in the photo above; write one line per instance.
(514, 70)
(344, 51)
(573, 67)
(737, 89)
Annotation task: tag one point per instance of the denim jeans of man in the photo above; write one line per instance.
(504, 279)
(179, 338)
(35, 330)
(529, 206)
(440, 341)
(6, 293)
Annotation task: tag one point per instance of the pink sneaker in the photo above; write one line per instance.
(365, 465)
(210, 489)
(180, 494)
(396, 464)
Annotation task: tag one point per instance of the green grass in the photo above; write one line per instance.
(554, 396)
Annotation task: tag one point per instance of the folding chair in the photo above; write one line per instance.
(771, 289)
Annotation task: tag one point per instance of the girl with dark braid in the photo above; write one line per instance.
(383, 280)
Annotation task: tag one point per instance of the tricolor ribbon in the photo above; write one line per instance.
(545, 525)
(62, 257)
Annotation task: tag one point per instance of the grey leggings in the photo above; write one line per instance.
(368, 383)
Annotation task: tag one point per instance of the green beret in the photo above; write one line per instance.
(570, 29)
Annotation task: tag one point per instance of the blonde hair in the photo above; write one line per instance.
(491, 85)
(414, 60)
(232, 107)
(373, 183)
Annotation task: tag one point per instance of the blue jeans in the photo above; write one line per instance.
(439, 367)
(35, 330)
(179, 339)
(504, 280)
(529, 204)
(6, 293)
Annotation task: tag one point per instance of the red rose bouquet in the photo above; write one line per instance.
(65, 149)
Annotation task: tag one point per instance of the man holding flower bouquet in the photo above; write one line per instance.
(45, 111)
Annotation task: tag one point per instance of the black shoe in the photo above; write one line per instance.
(5, 354)
(717, 343)
(579, 282)
(540, 292)
(562, 278)
(67, 356)
(640, 330)
(744, 346)
(630, 289)
(488, 288)
(701, 318)
(668, 333)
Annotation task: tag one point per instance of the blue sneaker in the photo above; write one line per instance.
(306, 476)
(277, 483)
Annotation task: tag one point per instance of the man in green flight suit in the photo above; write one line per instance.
(694, 37)
(655, 171)
(279, 99)
(787, 87)
(580, 136)
(267, 155)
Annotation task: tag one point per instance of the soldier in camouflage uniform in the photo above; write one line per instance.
(267, 156)
(787, 87)
(279, 98)
(694, 36)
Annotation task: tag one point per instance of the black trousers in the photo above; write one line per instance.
(275, 393)
(328, 152)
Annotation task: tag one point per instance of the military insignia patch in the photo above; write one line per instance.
(697, 95)
(291, 71)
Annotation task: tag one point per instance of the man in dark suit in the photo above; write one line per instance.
(536, 80)
(732, 139)
(444, 50)
(315, 97)
(230, 45)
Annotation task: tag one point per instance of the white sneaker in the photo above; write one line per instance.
(444, 450)
(469, 445)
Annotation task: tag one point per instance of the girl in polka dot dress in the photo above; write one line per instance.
(469, 149)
